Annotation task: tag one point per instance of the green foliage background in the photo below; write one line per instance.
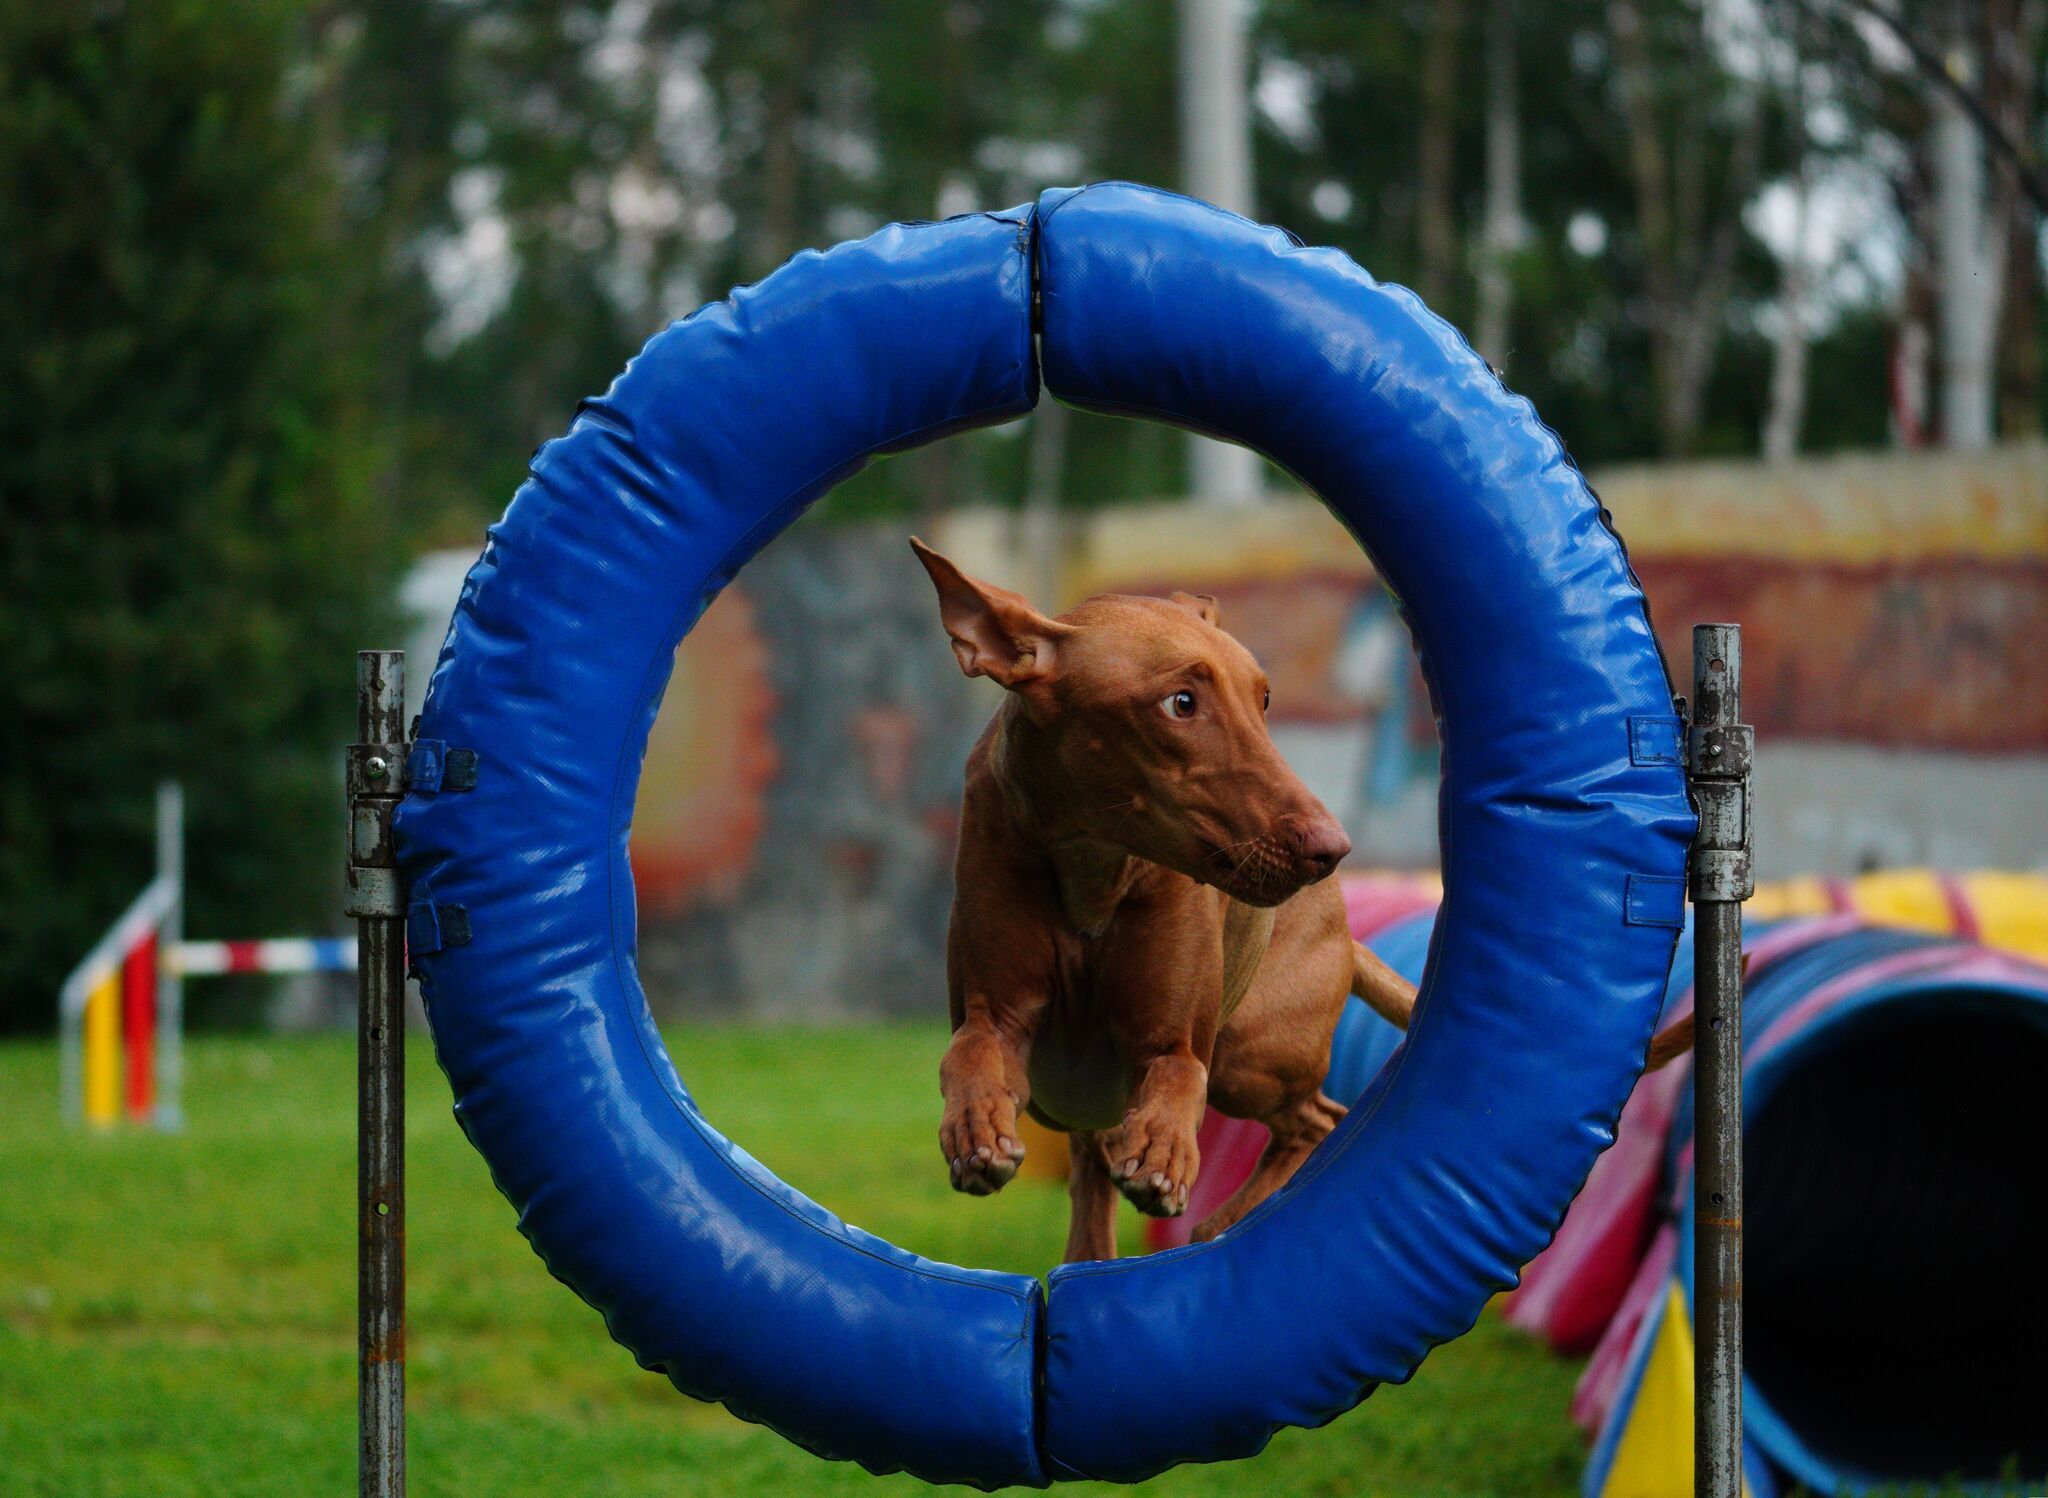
(191, 548)
(290, 290)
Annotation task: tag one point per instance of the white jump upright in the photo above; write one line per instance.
(121, 1012)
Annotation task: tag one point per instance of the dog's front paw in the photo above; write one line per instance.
(982, 1144)
(1154, 1165)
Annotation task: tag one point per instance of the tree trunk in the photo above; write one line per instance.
(1216, 165)
(1039, 521)
(1787, 413)
(1503, 232)
(1687, 268)
(1436, 206)
(779, 231)
(2013, 84)
(1652, 192)
(1968, 257)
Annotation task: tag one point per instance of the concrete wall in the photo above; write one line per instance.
(794, 833)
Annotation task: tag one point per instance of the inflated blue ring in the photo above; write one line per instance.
(1564, 829)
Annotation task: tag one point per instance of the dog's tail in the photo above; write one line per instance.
(1670, 1043)
(1676, 1039)
(1392, 997)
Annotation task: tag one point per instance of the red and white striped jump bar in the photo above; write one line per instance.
(290, 954)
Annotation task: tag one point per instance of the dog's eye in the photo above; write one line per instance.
(1180, 705)
(1267, 705)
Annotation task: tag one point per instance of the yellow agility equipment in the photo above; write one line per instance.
(103, 1051)
(2006, 911)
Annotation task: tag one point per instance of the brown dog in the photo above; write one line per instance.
(1143, 918)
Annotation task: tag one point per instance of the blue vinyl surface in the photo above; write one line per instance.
(1540, 992)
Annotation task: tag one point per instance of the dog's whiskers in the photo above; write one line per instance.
(1127, 806)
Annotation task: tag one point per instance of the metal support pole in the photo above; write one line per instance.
(376, 781)
(1718, 752)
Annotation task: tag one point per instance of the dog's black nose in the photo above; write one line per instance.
(1319, 842)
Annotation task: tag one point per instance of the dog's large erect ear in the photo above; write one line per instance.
(1203, 604)
(995, 633)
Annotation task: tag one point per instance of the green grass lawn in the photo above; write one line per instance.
(177, 1313)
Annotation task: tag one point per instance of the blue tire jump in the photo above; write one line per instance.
(1564, 827)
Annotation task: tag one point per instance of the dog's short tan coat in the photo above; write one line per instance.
(1143, 919)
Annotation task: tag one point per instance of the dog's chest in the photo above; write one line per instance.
(1247, 932)
(1081, 1070)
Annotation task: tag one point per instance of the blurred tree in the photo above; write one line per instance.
(535, 185)
(1573, 189)
(1942, 100)
(191, 554)
(294, 281)
(1691, 183)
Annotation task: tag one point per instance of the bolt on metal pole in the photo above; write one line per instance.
(1718, 752)
(376, 781)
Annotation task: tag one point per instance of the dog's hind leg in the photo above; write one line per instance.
(1296, 1131)
(1092, 1196)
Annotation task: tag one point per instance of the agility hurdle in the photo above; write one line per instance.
(1569, 781)
(121, 1012)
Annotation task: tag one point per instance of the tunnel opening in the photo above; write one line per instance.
(1897, 1221)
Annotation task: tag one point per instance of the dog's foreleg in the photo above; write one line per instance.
(1091, 1195)
(1296, 1132)
(1152, 1155)
(984, 1082)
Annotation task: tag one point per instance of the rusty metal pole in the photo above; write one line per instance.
(1718, 753)
(376, 781)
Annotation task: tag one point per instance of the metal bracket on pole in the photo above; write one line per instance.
(376, 782)
(1718, 754)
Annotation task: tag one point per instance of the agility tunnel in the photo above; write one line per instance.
(1896, 1214)
(1534, 1016)
(2000, 908)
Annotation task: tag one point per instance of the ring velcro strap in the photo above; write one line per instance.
(430, 926)
(1654, 900)
(433, 766)
(1656, 740)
